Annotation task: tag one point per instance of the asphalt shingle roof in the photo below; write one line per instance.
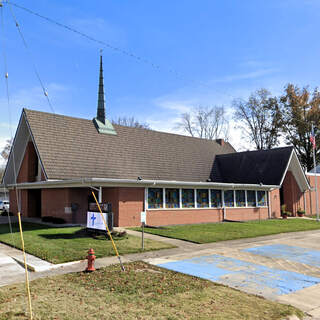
(72, 148)
(252, 167)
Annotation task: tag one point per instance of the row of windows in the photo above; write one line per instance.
(204, 198)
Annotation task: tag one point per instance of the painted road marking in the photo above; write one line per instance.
(241, 274)
(291, 253)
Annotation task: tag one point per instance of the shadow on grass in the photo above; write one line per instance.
(75, 235)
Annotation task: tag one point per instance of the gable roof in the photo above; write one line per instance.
(71, 148)
(261, 166)
(267, 167)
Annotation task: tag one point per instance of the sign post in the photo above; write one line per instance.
(143, 222)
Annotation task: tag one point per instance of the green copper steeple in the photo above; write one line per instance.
(102, 124)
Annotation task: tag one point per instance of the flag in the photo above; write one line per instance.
(313, 139)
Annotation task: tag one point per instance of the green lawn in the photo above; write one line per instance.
(141, 292)
(59, 245)
(212, 232)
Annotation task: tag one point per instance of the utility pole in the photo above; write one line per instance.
(315, 171)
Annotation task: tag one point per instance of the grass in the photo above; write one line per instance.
(213, 232)
(142, 292)
(58, 245)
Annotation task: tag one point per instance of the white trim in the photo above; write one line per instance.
(146, 199)
(34, 144)
(221, 208)
(163, 197)
(111, 182)
(246, 198)
(287, 167)
(180, 198)
(195, 198)
(293, 153)
(209, 197)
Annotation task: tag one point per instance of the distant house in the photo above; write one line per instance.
(174, 178)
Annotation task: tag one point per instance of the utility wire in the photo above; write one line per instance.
(6, 75)
(45, 92)
(115, 48)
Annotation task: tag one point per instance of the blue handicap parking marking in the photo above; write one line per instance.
(242, 274)
(291, 253)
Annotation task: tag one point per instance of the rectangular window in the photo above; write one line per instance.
(262, 198)
(216, 198)
(251, 198)
(172, 198)
(202, 198)
(240, 198)
(229, 198)
(187, 198)
(155, 198)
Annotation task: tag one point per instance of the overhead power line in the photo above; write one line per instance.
(115, 48)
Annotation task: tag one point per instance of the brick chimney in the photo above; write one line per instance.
(221, 142)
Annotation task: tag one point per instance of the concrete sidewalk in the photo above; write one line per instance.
(307, 299)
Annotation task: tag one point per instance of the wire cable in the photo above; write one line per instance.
(45, 92)
(138, 58)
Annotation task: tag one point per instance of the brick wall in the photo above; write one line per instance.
(57, 203)
(275, 203)
(292, 196)
(131, 203)
(246, 214)
(310, 196)
(29, 165)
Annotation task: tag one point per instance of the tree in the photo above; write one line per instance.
(205, 122)
(299, 110)
(130, 122)
(6, 150)
(259, 118)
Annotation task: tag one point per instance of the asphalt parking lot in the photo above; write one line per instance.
(285, 268)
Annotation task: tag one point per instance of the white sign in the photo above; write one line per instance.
(143, 217)
(94, 220)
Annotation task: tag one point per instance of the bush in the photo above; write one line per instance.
(300, 211)
(5, 214)
(55, 220)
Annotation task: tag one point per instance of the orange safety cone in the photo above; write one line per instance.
(91, 257)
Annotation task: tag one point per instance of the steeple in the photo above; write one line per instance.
(101, 111)
(102, 124)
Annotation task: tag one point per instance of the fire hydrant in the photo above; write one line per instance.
(91, 257)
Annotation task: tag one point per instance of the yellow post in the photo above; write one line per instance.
(106, 225)
(26, 268)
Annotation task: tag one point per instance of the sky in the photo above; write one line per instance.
(199, 53)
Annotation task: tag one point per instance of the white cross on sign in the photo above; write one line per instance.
(94, 220)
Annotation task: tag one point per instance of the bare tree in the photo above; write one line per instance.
(259, 118)
(6, 150)
(205, 122)
(130, 122)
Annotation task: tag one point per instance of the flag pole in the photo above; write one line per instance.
(315, 172)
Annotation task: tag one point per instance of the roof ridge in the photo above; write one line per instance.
(133, 128)
(257, 151)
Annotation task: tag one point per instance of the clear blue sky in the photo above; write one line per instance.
(221, 50)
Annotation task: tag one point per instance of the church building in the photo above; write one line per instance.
(56, 160)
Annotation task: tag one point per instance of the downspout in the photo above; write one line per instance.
(269, 204)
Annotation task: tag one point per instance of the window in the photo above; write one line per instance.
(155, 198)
(229, 198)
(251, 198)
(216, 198)
(240, 198)
(187, 198)
(262, 198)
(172, 198)
(202, 198)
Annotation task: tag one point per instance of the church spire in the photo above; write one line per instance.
(101, 111)
(102, 124)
